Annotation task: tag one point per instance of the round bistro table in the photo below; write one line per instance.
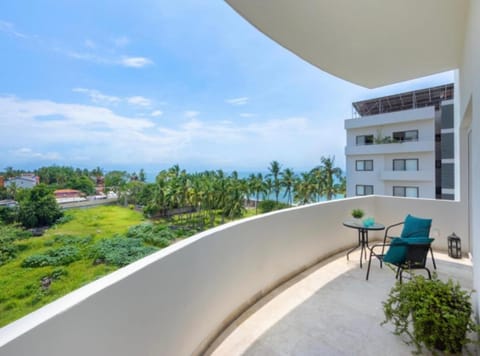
(362, 236)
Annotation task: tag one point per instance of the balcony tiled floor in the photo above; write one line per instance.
(328, 310)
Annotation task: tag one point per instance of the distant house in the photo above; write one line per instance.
(27, 180)
(2, 182)
(8, 203)
(68, 195)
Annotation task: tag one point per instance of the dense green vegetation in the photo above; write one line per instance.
(82, 245)
(202, 195)
(37, 270)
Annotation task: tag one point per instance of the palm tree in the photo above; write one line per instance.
(305, 189)
(330, 173)
(257, 186)
(274, 174)
(317, 179)
(288, 182)
(342, 186)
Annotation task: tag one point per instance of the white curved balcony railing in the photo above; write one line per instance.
(177, 300)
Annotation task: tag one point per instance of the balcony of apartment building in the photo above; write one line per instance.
(407, 169)
(390, 148)
(200, 293)
(408, 131)
(411, 176)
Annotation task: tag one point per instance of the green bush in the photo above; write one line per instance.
(73, 240)
(8, 215)
(9, 249)
(37, 260)
(64, 219)
(120, 251)
(266, 206)
(61, 256)
(156, 235)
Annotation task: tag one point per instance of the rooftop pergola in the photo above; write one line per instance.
(405, 101)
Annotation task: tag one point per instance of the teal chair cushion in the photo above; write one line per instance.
(416, 227)
(418, 240)
(397, 251)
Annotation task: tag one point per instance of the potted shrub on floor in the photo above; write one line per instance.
(431, 314)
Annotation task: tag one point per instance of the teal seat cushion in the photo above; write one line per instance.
(397, 251)
(417, 240)
(416, 227)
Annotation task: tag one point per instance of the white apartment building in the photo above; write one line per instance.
(402, 145)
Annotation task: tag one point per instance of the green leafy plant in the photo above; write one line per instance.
(358, 213)
(266, 206)
(61, 256)
(9, 246)
(120, 251)
(430, 313)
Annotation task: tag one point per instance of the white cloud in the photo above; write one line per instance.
(83, 56)
(237, 101)
(156, 113)
(37, 130)
(98, 97)
(246, 114)
(139, 100)
(121, 41)
(135, 62)
(89, 44)
(9, 28)
(28, 153)
(191, 113)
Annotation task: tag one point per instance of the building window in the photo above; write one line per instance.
(364, 189)
(364, 165)
(364, 140)
(411, 192)
(410, 164)
(405, 136)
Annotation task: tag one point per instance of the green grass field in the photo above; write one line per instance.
(21, 290)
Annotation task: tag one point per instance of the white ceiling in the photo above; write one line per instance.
(368, 42)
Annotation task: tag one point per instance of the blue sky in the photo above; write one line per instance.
(152, 83)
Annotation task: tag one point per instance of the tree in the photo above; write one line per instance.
(38, 207)
(274, 174)
(288, 182)
(305, 189)
(142, 176)
(342, 186)
(330, 173)
(84, 184)
(257, 186)
(97, 172)
(116, 180)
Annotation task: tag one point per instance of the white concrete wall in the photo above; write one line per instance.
(469, 76)
(173, 302)
(383, 178)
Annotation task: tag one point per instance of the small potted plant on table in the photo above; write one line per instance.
(357, 214)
